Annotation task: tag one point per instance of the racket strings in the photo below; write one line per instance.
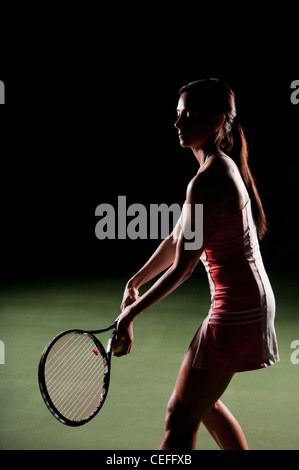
(83, 386)
(60, 386)
(81, 390)
(75, 376)
(68, 355)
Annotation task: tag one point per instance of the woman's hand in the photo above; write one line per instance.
(124, 333)
(131, 294)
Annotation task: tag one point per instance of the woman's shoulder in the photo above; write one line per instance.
(216, 171)
(206, 185)
(219, 181)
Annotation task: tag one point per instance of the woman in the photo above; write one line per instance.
(238, 334)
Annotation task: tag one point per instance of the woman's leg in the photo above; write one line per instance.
(195, 394)
(224, 428)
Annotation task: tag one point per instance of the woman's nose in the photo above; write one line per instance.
(178, 123)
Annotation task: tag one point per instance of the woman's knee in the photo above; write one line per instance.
(179, 416)
(217, 406)
(180, 431)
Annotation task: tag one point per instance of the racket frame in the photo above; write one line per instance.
(105, 354)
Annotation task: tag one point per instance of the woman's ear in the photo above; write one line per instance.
(219, 120)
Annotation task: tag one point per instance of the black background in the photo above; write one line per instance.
(89, 116)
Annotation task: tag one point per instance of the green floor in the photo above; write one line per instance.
(265, 402)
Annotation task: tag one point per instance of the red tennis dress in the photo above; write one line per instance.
(238, 334)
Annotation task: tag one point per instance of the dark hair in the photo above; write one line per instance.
(213, 97)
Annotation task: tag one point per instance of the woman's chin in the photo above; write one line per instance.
(184, 142)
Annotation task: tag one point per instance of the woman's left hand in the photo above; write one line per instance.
(124, 333)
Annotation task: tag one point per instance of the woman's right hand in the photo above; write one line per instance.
(131, 294)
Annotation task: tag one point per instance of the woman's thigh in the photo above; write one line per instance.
(196, 390)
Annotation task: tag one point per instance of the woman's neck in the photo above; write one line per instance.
(202, 155)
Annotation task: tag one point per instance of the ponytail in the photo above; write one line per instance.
(236, 144)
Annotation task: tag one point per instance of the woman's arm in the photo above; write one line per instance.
(161, 259)
(184, 261)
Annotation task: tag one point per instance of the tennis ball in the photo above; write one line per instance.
(118, 349)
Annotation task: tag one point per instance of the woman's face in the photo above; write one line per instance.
(194, 130)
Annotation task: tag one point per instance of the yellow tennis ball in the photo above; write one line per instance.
(118, 349)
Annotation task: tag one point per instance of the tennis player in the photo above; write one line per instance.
(238, 333)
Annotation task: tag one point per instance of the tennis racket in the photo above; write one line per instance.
(74, 374)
